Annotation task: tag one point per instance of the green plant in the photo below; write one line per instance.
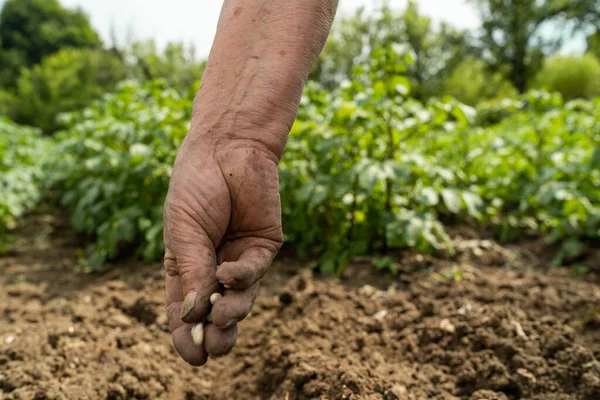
(367, 168)
(66, 81)
(573, 77)
(115, 164)
(22, 178)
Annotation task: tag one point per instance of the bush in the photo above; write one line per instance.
(367, 168)
(472, 83)
(22, 178)
(8, 104)
(573, 77)
(115, 163)
(66, 81)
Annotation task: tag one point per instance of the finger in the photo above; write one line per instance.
(250, 267)
(174, 299)
(197, 267)
(233, 306)
(182, 340)
(219, 342)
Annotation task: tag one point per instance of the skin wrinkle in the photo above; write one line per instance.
(259, 49)
(242, 113)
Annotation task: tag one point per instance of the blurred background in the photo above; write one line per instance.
(420, 118)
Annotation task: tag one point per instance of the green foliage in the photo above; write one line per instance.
(351, 180)
(8, 104)
(593, 44)
(573, 77)
(386, 264)
(33, 29)
(176, 64)
(22, 180)
(114, 167)
(471, 82)
(436, 49)
(65, 81)
(512, 40)
(367, 168)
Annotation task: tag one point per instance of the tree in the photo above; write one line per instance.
(177, 63)
(65, 81)
(471, 82)
(33, 29)
(593, 44)
(513, 41)
(573, 77)
(436, 49)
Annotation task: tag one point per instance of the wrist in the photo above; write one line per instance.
(229, 126)
(209, 139)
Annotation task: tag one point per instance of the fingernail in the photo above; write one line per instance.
(227, 286)
(188, 304)
(214, 297)
(230, 322)
(198, 334)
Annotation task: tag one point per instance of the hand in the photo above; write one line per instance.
(222, 229)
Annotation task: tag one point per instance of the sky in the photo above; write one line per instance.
(195, 21)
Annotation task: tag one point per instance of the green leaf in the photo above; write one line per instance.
(473, 203)
(451, 200)
(595, 160)
(430, 197)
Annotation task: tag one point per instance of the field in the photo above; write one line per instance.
(484, 325)
(433, 251)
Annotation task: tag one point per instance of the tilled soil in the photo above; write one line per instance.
(479, 326)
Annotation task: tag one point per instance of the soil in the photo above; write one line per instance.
(482, 325)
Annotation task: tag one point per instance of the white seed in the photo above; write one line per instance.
(227, 286)
(214, 297)
(198, 334)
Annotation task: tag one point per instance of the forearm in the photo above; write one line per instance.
(260, 59)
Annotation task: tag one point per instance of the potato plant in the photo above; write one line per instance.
(114, 165)
(22, 178)
(367, 169)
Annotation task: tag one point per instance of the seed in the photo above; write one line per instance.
(198, 334)
(227, 286)
(214, 297)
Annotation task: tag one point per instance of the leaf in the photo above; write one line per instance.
(306, 191)
(595, 160)
(451, 200)
(473, 203)
(430, 197)
(385, 264)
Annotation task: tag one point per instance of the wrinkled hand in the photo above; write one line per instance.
(222, 229)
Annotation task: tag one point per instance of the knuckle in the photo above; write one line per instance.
(170, 265)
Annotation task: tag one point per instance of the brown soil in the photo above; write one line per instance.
(480, 326)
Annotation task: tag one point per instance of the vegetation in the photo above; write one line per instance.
(65, 81)
(582, 81)
(22, 178)
(33, 29)
(115, 164)
(385, 153)
(512, 40)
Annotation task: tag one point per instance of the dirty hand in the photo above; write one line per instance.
(222, 215)
(222, 229)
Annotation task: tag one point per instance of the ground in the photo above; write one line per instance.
(482, 325)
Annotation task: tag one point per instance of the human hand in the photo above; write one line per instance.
(222, 229)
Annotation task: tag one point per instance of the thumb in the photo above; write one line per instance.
(196, 265)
